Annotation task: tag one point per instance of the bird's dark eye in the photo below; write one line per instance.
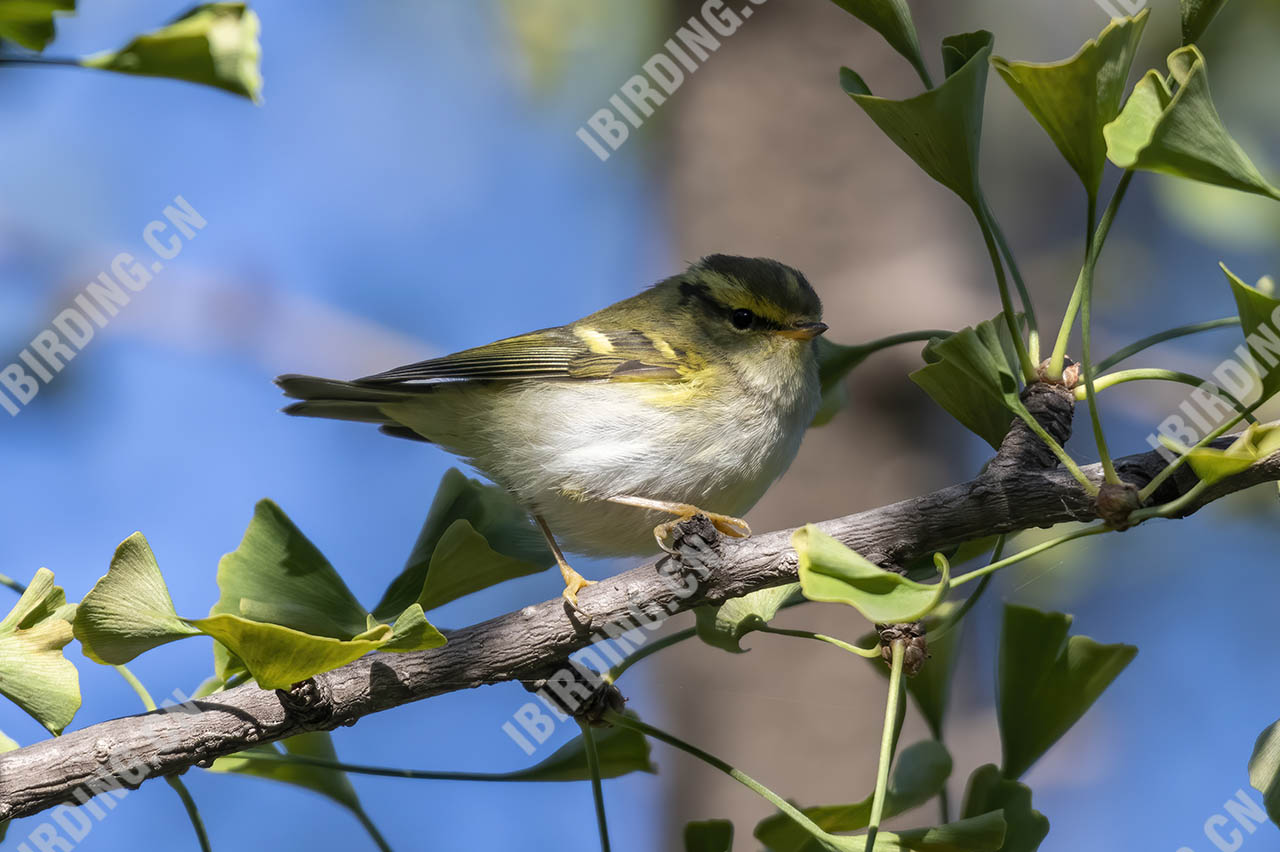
(742, 319)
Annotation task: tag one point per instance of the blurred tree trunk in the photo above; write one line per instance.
(765, 155)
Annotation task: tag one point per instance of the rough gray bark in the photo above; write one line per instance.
(533, 642)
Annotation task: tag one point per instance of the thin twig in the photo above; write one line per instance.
(597, 789)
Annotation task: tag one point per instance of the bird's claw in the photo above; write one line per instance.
(666, 533)
(575, 583)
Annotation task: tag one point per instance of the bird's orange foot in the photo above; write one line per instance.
(573, 583)
(724, 524)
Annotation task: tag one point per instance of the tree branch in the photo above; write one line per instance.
(533, 642)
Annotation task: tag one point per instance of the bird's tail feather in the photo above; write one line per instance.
(338, 400)
(339, 409)
(316, 389)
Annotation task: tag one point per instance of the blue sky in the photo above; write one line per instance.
(405, 190)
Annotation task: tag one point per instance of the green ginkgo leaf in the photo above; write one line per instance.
(129, 609)
(920, 773)
(1264, 770)
(317, 744)
(621, 751)
(892, 19)
(713, 835)
(33, 672)
(829, 571)
(30, 23)
(835, 362)
(977, 834)
(412, 632)
(1196, 17)
(1180, 133)
(214, 44)
(941, 130)
(474, 536)
(331, 783)
(277, 575)
(724, 626)
(1046, 681)
(988, 791)
(1073, 99)
(1259, 320)
(968, 374)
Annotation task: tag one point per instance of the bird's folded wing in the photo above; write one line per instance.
(563, 353)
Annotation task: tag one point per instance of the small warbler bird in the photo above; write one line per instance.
(689, 398)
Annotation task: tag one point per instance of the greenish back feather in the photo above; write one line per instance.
(566, 352)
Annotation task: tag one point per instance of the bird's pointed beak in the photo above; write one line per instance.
(804, 330)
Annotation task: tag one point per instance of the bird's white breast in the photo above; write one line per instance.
(566, 446)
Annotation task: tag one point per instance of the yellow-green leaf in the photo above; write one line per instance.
(1181, 133)
(1264, 770)
(277, 656)
(128, 610)
(1259, 441)
(33, 672)
(829, 571)
(1073, 99)
(724, 626)
(412, 632)
(214, 44)
(1259, 320)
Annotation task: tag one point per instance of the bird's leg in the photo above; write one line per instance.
(573, 581)
(726, 524)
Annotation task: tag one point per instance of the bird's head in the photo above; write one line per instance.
(755, 315)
